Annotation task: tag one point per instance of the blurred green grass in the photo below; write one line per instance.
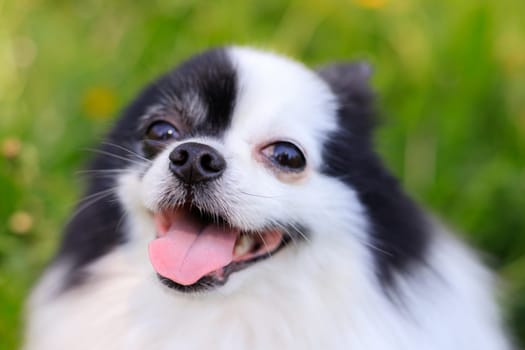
(450, 76)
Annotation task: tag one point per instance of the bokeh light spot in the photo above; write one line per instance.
(372, 4)
(20, 222)
(99, 102)
(11, 147)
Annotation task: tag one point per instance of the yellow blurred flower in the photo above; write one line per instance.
(20, 222)
(372, 4)
(99, 102)
(521, 122)
(11, 147)
(510, 51)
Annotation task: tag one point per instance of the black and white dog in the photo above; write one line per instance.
(238, 204)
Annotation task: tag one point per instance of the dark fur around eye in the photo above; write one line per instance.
(161, 131)
(157, 135)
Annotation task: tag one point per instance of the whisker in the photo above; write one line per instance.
(107, 173)
(301, 233)
(92, 199)
(131, 152)
(101, 171)
(264, 242)
(109, 154)
(120, 221)
(375, 247)
(296, 230)
(285, 229)
(86, 198)
(259, 195)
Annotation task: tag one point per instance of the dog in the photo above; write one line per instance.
(238, 203)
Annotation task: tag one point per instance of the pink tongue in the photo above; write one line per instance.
(187, 250)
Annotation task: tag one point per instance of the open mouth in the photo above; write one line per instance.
(196, 250)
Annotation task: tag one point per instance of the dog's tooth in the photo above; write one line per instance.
(243, 246)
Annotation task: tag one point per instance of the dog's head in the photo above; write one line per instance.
(239, 161)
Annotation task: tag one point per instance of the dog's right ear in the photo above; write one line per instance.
(350, 83)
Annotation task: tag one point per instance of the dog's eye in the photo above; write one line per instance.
(161, 131)
(157, 135)
(285, 155)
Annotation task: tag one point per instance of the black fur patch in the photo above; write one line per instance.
(96, 228)
(400, 233)
(208, 79)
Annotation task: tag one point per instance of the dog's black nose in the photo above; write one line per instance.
(194, 162)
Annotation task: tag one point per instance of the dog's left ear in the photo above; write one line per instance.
(350, 83)
(346, 76)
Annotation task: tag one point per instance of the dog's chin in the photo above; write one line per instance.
(197, 251)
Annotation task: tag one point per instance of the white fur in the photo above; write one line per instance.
(319, 294)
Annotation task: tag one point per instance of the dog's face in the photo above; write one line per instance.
(234, 156)
(240, 160)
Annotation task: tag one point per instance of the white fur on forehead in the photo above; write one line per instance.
(281, 99)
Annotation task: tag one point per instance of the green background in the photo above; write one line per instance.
(450, 77)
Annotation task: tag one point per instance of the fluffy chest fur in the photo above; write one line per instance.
(333, 306)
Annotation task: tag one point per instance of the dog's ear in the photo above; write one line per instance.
(350, 83)
(346, 76)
